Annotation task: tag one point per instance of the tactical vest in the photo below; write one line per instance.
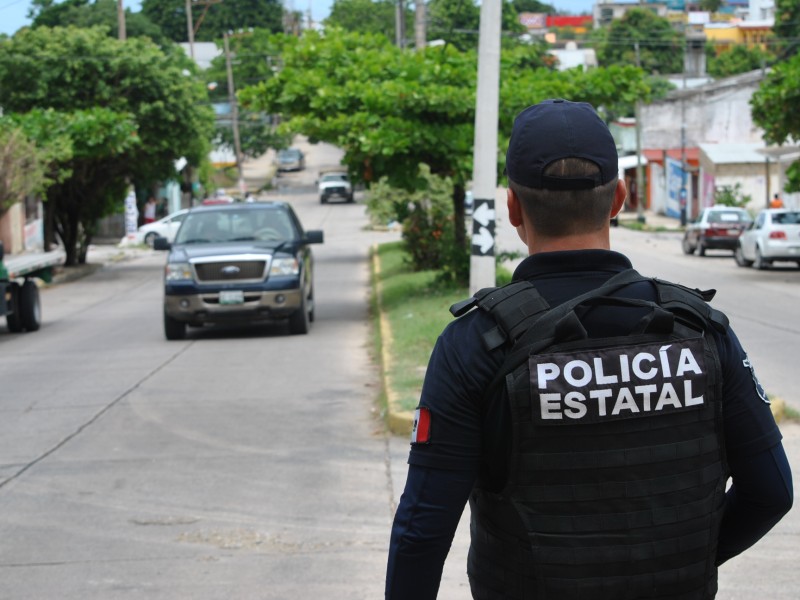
(616, 481)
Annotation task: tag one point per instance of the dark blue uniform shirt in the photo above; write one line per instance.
(469, 434)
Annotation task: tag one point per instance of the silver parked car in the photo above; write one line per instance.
(773, 236)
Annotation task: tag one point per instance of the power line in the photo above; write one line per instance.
(10, 4)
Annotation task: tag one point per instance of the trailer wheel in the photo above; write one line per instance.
(30, 308)
(12, 318)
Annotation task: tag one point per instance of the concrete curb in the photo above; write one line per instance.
(399, 422)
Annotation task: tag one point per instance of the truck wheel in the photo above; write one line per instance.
(30, 308)
(12, 318)
(174, 329)
(300, 321)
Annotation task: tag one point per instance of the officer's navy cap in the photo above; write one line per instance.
(556, 129)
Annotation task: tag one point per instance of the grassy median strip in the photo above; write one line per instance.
(411, 309)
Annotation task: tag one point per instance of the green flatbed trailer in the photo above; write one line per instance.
(19, 293)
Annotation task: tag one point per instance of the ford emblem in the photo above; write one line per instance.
(230, 271)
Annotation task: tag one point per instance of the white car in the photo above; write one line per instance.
(166, 227)
(773, 236)
(335, 184)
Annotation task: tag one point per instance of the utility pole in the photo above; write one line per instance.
(400, 24)
(484, 156)
(684, 192)
(420, 34)
(237, 147)
(640, 192)
(121, 21)
(190, 28)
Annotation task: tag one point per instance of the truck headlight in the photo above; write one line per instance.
(284, 266)
(178, 271)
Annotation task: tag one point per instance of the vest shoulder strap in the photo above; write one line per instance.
(514, 307)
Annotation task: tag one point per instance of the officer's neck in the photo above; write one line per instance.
(596, 240)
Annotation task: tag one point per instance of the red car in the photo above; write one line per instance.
(716, 228)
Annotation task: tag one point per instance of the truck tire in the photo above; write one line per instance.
(30, 308)
(174, 329)
(300, 320)
(12, 318)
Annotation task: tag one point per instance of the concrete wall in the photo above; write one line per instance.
(718, 112)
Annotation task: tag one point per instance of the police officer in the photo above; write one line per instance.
(620, 494)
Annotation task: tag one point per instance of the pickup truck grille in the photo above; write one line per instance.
(230, 270)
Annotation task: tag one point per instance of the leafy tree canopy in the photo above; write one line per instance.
(87, 150)
(367, 16)
(458, 22)
(774, 109)
(660, 46)
(212, 20)
(70, 69)
(150, 112)
(85, 13)
(787, 26)
(391, 110)
(533, 6)
(738, 59)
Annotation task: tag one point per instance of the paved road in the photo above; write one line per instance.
(244, 464)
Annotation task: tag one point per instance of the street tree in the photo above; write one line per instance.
(88, 166)
(368, 16)
(212, 19)
(774, 109)
(391, 110)
(85, 13)
(73, 70)
(660, 45)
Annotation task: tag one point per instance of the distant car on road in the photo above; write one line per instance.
(335, 184)
(715, 228)
(166, 228)
(773, 236)
(239, 263)
(291, 159)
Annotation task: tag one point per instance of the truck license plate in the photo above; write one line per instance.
(231, 297)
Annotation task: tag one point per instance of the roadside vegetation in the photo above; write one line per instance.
(410, 309)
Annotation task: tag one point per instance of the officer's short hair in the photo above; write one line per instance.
(556, 213)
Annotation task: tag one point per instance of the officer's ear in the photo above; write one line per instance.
(514, 208)
(620, 194)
